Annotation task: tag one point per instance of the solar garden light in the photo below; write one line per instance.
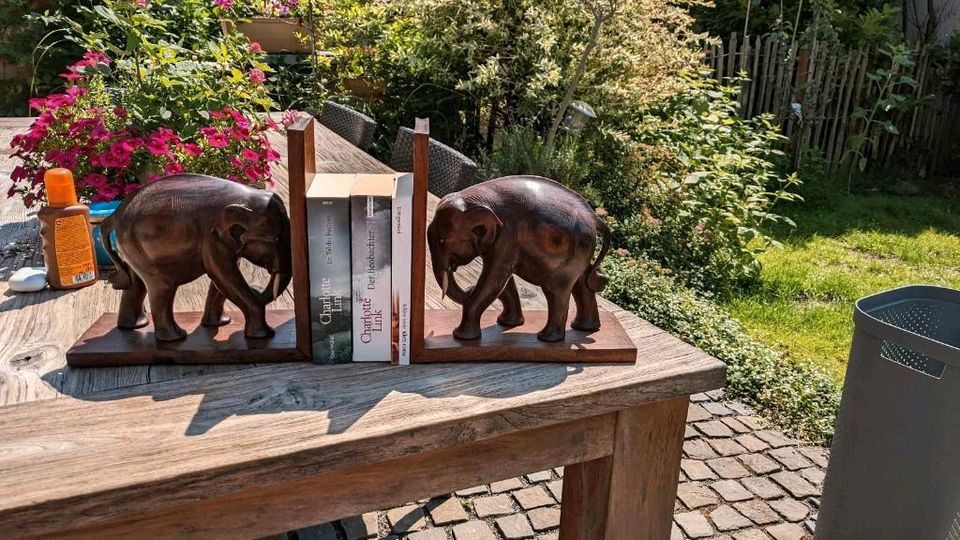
(578, 115)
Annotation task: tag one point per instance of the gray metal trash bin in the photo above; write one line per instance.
(895, 462)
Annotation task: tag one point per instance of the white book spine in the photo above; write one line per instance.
(371, 241)
(402, 225)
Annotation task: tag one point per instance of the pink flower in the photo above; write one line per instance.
(252, 174)
(141, 3)
(19, 173)
(130, 188)
(120, 111)
(240, 133)
(191, 149)
(255, 47)
(235, 161)
(158, 146)
(96, 181)
(271, 155)
(257, 76)
(250, 155)
(218, 140)
(99, 132)
(173, 168)
(223, 4)
(289, 116)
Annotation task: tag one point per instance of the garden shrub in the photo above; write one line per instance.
(797, 395)
(694, 186)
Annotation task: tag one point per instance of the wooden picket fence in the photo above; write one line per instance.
(829, 83)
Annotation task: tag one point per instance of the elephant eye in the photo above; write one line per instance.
(441, 241)
(276, 238)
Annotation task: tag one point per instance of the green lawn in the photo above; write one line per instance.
(844, 248)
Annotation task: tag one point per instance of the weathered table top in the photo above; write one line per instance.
(78, 445)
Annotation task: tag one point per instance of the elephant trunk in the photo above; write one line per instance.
(281, 274)
(275, 287)
(448, 282)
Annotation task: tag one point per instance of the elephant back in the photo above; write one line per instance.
(185, 194)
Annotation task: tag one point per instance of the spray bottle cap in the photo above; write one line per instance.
(61, 191)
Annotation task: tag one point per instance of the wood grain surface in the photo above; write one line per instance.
(103, 344)
(157, 441)
(520, 344)
(378, 485)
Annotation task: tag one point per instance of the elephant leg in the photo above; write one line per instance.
(491, 283)
(132, 315)
(213, 308)
(588, 314)
(165, 327)
(558, 302)
(226, 276)
(512, 314)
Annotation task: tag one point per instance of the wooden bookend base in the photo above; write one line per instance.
(103, 344)
(610, 344)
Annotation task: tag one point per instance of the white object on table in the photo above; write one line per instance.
(28, 279)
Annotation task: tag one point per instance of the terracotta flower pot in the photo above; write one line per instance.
(274, 34)
(365, 88)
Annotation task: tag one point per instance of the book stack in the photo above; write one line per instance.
(360, 246)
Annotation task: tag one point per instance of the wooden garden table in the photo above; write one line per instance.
(251, 450)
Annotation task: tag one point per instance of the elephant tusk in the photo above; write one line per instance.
(444, 285)
(276, 286)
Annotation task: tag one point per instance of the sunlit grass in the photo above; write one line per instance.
(844, 249)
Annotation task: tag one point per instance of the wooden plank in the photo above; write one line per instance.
(754, 79)
(418, 273)
(103, 344)
(343, 493)
(732, 56)
(172, 443)
(520, 344)
(301, 158)
(720, 60)
(631, 493)
(769, 60)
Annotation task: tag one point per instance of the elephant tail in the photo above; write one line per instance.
(595, 281)
(121, 276)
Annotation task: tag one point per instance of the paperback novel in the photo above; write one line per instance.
(370, 206)
(328, 236)
(402, 222)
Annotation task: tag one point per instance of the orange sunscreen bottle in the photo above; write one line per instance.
(67, 238)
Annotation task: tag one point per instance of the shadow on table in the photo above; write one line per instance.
(344, 392)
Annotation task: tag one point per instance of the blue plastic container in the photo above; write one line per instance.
(100, 211)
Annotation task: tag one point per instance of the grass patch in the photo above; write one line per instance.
(843, 248)
(796, 395)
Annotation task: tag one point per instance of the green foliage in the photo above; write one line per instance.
(521, 151)
(169, 79)
(476, 67)
(854, 23)
(894, 94)
(798, 396)
(694, 186)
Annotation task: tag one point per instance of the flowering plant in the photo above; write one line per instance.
(112, 156)
(260, 8)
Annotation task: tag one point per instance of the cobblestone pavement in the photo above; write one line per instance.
(739, 480)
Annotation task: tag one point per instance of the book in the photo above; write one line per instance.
(328, 238)
(402, 223)
(370, 210)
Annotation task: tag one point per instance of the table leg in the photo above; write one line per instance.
(628, 495)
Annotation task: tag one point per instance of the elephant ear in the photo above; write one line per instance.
(233, 220)
(484, 225)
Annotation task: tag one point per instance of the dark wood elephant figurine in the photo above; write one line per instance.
(525, 225)
(172, 232)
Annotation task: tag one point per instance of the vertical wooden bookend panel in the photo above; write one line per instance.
(421, 164)
(301, 162)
